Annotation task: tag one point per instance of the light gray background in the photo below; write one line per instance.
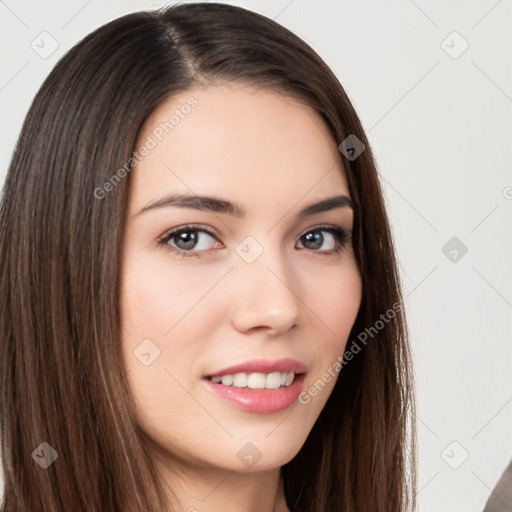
(441, 129)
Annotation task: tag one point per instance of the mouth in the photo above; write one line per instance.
(259, 386)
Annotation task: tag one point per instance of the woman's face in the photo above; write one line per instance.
(252, 278)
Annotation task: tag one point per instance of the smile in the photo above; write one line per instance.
(261, 400)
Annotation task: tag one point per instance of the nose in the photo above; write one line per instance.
(265, 296)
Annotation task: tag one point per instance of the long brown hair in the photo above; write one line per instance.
(62, 381)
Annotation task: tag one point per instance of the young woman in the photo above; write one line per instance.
(201, 309)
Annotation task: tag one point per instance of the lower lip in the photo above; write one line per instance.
(263, 401)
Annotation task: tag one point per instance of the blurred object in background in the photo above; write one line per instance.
(500, 499)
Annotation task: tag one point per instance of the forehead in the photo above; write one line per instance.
(236, 140)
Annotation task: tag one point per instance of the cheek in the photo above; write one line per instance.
(333, 297)
(155, 300)
(175, 308)
(341, 302)
(334, 306)
(162, 306)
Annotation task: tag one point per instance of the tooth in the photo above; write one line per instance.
(227, 380)
(240, 380)
(256, 381)
(273, 380)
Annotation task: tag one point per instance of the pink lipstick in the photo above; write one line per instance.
(259, 386)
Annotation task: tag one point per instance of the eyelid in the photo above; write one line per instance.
(319, 227)
(188, 227)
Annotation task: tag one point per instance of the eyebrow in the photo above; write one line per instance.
(217, 205)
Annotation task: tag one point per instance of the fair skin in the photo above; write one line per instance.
(298, 299)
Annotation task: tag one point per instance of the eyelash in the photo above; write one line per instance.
(342, 237)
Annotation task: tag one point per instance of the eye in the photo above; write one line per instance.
(325, 239)
(190, 240)
(187, 240)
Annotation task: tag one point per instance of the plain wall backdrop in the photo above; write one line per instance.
(432, 83)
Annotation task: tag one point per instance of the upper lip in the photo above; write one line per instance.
(263, 366)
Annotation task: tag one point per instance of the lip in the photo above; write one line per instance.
(263, 401)
(285, 364)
